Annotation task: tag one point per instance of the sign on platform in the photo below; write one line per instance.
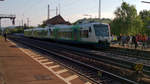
(138, 67)
(100, 74)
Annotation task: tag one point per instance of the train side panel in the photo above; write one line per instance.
(92, 33)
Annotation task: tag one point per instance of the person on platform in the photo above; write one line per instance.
(134, 41)
(145, 40)
(119, 39)
(127, 40)
(123, 39)
(5, 36)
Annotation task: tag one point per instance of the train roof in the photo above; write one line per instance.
(36, 29)
(90, 24)
(93, 23)
(62, 26)
(27, 29)
(40, 28)
(76, 26)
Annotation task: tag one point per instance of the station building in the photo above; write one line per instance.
(57, 20)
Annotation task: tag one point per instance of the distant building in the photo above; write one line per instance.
(56, 20)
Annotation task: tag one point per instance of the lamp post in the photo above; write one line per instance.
(99, 10)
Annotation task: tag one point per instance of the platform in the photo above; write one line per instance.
(129, 47)
(18, 68)
(20, 65)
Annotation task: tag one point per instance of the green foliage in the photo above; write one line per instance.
(42, 25)
(145, 16)
(14, 30)
(18, 29)
(127, 21)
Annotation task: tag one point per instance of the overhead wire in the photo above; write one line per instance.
(29, 8)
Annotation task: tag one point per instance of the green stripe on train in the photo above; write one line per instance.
(55, 33)
(76, 31)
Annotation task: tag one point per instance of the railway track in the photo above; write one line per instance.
(126, 58)
(141, 55)
(78, 61)
(111, 56)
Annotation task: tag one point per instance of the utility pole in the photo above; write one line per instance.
(99, 13)
(48, 12)
(28, 22)
(22, 23)
(19, 21)
(59, 8)
(56, 11)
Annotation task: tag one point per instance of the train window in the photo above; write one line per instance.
(43, 33)
(101, 30)
(84, 34)
(66, 34)
(52, 33)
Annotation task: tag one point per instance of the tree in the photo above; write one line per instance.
(17, 29)
(145, 16)
(43, 24)
(126, 20)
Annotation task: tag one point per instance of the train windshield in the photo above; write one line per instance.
(101, 30)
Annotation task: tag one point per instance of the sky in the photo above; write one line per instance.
(71, 10)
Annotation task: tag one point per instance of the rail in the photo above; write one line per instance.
(115, 76)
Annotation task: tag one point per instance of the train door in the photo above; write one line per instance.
(76, 34)
(56, 33)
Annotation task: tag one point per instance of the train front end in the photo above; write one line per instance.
(102, 34)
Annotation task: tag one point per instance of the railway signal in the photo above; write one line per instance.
(100, 74)
(11, 17)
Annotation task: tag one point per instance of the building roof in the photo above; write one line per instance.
(57, 20)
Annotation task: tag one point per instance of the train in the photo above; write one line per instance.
(95, 34)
